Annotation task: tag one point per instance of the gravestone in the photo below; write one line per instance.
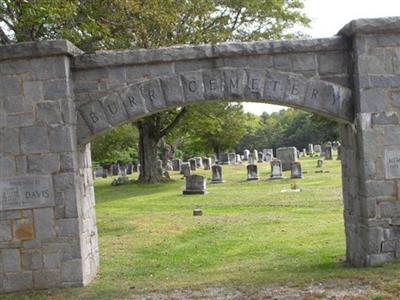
(296, 171)
(129, 169)
(246, 154)
(252, 172)
(255, 155)
(311, 149)
(260, 157)
(104, 173)
(335, 145)
(304, 153)
(213, 159)
(286, 155)
(207, 163)
(238, 159)
(217, 174)
(224, 158)
(232, 158)
(269, 157)
(168, 166)
(122, 170)
(276, 169)
(176, 165)
(252, 159)
(199, 162)
(185, 169)
(328, 152)
(98, 172)
(193, 164)
(268, 151)
(339, 152)
(115, 170)
(317, 149)
(195, 184)
(320, 163)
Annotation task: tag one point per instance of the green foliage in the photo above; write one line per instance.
(211, 128)
(289, 128)
(117, 145)
(113, 24)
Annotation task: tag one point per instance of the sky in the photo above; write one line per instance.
(328, 17)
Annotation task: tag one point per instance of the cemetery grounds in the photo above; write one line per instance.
(253, 241)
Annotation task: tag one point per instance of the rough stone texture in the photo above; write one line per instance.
(250, 84)
(54, 99)
(45, 177)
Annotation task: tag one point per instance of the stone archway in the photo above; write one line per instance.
(54, 99)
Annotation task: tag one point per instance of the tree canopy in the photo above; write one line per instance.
(114, 24)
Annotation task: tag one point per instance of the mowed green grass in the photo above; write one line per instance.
(250, 234)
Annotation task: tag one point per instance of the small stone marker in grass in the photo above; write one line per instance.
(197, 212)
(320, 163)
(252, 172)
(195, 184)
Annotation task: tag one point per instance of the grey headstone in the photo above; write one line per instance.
(286, 155)
(207, 163)
(185, 169)
(276, 169)
(296, 171)
(252, 172)
(193, 164)
(217, 174)
(195, 184)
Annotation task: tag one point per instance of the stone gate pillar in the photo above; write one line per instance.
(371, 169)
(48, 235)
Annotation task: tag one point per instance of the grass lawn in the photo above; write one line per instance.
(251, 235)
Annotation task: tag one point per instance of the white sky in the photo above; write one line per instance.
(328, 17)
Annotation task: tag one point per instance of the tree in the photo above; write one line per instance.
(117, 145)
(151, 133)
(212, 128)
(289, 128)
(144, 24)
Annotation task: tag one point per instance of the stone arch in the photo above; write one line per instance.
(220, 84)
(49, 89)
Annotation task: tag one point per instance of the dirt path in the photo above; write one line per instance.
(333, 290)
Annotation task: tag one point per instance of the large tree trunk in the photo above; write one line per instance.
(151, 131)
(148, 156)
